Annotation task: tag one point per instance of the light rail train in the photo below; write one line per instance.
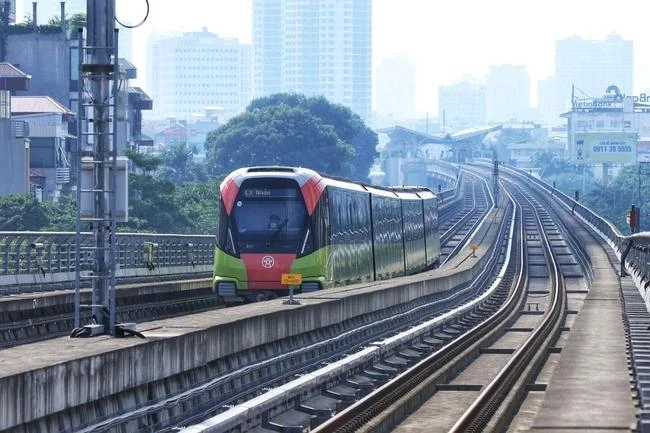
(325, 231)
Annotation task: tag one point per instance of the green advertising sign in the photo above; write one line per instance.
(604, 147)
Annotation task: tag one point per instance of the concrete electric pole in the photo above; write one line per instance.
(97, 167)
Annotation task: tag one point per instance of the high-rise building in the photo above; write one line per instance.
(546, 102)
(315, 47)
(395, 88)
(267, 47)
(507, 90)
(591, 66)
(196, 71)
(461, 105)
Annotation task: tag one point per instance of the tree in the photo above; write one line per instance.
(197, 203)
(550, 164)
(500, 140)
(348, 126)
(73, 23)
(277, 135)
(144, 162)
(613, 201)
(178, 165)
(152, 207)
(62, 215)
(20, 212)
(292, 129)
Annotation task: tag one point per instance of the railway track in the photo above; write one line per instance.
(429, 359)
(471, 405)
(457, 229)
(325, 367)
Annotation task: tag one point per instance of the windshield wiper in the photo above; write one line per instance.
(276, 231)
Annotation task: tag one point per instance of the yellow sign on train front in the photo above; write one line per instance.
(291, 278)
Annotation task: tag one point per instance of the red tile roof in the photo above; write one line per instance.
(36, 104)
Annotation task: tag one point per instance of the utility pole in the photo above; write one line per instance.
(96, 185)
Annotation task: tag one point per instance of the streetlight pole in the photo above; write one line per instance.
(646, 161)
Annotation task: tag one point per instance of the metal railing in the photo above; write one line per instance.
(49, 259)
(638, 257)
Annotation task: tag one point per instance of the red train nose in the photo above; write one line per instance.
(264, 270)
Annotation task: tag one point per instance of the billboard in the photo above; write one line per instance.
(604, 147)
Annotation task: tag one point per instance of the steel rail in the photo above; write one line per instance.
(427, 370)
(493, 394)
(473, 219)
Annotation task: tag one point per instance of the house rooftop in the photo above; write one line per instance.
(36, 105)
(7, 70)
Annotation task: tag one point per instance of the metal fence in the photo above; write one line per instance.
(48, 258)
(638, 256)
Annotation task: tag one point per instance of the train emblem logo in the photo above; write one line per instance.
(268, 261)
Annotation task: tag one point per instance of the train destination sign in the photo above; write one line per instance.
(270, 192)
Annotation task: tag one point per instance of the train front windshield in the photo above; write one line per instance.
(269, 217)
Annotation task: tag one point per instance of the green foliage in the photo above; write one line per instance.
(161, 206)
(20, 29)
(73, 23)
(152, 207)
(611, 201)
(614, 201)
(147, 163)
(22, 212)
(197, 203)
(277, 135)
(294, 130)
(178, 165)
(62, 215)
(176, 200)
(48, 29)
(499, 141)
(550, 164)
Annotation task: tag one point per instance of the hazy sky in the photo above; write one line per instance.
(443, 39)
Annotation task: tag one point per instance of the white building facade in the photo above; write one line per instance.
(315, 47)
(395, 88)
(461, 105)
(507, 90)
(197, 71)
(546, 102)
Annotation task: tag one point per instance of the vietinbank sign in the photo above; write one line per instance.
(597, 104)
(613, 100)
